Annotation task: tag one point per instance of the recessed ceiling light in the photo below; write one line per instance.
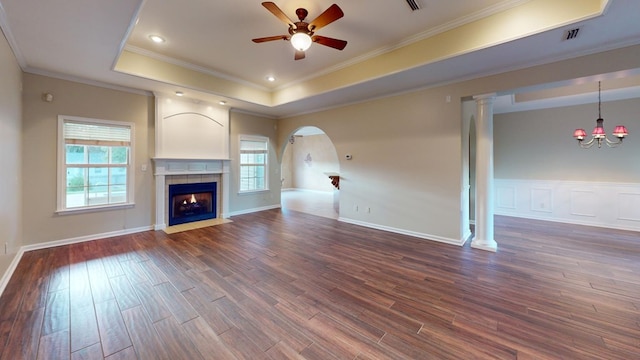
(222, 102)
(157, 39)
(271, 78)
(179, 93)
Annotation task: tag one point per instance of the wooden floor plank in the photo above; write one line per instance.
(126, 354)
(177, 344)
(84, 327)
(205, 339)
(113, 332)
(25, 336)
(286, 285)
(152, 301)
(176, 303)
(123, 292)
(93, 352)
(56, 317)
(145, 339)
(54, 346)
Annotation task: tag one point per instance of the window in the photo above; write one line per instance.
(253, 163)
(94, 163)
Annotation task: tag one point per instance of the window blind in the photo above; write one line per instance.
(96, 134)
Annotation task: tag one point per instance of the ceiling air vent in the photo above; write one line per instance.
(570, 34)
(413, 4)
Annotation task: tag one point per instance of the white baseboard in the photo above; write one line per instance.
(249, 211)
(458, 242)
(80, 239)
(4, 281)
(308, 190)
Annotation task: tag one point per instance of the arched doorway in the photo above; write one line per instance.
(307, 161)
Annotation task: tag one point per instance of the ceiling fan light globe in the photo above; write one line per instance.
(301, 41)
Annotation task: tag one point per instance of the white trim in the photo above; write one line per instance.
(14, 263)
(8, 34)
(89, 209)
(4, 281)
(164, 167)
(257, 138)
(61, 199)
(85, 238)
(450, 241)
(253, 210)
(588, 203)
(309, 191)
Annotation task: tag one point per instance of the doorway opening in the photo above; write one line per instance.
(308, 162)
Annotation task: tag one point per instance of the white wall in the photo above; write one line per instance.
(188, 130)
(10, 156)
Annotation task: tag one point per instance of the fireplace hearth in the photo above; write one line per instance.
(192, 202)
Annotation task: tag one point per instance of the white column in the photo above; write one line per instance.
(483, 238)
(226, 186)
(160, 195)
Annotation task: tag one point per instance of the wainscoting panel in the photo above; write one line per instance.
(584, 203)
(506, 197)
(629, 204)
(611, 205)
(542, 199)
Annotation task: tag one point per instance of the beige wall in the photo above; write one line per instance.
(311, 157)
(405, 170)
(248, 124)
(41, 223)
(286, 167)
(539, 144)
(10, 156)
(406, 149)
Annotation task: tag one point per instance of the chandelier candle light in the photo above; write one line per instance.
(599, 135)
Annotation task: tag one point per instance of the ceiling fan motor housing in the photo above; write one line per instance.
(302, 13)
(301, 33)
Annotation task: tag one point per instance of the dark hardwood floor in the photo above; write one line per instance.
(287, 285)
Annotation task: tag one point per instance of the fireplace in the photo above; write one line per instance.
(192, 202)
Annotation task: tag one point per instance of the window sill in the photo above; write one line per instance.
(94, 209)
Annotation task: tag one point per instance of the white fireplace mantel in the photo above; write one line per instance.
(164, 167)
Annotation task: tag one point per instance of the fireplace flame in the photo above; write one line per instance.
(193, 199)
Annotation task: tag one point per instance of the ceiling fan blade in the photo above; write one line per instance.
(330, 42)
(275, 10)
(299, 55)
(330, 15)
(270, 38)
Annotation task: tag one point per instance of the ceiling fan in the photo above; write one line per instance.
(301, 33)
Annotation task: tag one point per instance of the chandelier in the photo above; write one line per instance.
(599, 136)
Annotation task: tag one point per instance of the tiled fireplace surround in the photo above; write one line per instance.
(186, 171)
(191, 146)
